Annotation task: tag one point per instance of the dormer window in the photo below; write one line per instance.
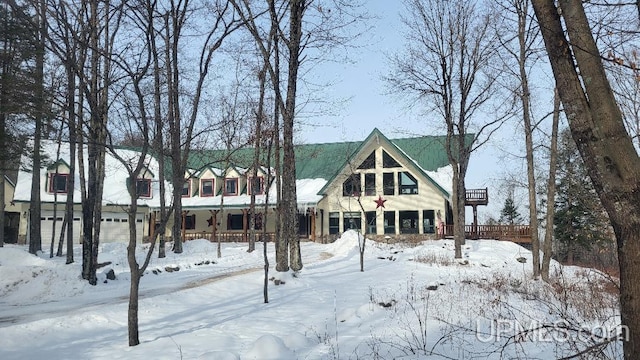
(58, 183)
(186, 188)
(143, 188)
(206, 187)
(256, 185)
(231, 186)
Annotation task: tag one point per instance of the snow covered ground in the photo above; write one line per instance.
(411, 302)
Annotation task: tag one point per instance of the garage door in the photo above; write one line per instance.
(47, 224)
(114, 227)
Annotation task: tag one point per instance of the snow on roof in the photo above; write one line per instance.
(115, 181)
(306, 190)
(443, 176)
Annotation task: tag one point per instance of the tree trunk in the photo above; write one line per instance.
(35, 240)
(607, 150)
(551, 190)
(289, 197)
(525, 98)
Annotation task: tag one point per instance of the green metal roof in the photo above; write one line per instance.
(327, 159)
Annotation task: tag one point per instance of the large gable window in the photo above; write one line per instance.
(407, 183)
(388, 161)
(369, 184)
(58, 183)
(206, 187)
(256, 185)
(351, 220)
(143, 188)
(231, 186)
(351, 186)
(388, 184)
(369, 162)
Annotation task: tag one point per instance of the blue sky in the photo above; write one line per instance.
(367, 103)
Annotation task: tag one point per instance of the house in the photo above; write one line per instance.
(11, 212)
(53, 194)
(383, 187)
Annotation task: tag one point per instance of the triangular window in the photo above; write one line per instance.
(369, 162)
(388, 161)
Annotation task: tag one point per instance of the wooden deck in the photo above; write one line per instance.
(515, 233)
(227, 236)
(475, 197)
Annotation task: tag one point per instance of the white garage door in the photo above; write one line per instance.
(47, 224)
(114, 227)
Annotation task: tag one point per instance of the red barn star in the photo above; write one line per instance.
(380, 202)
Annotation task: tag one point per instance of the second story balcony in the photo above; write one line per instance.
(476, 197)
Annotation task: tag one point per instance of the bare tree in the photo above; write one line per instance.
(597, 126)
(447, 64)
(522, 50)
(182, 118)
(551, 190)
(324, 31)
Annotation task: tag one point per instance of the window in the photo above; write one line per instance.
(407, 183)
(256, 185)
(58, 183)
(351, 186)
(388, 184)
(371, 221)
(206, 187)
(388, 161)
(186, 188)
(369, 184)
(235, 222)
(352, 220)
(369, 162)
(143, 188)
(334, 222)
(190, 222)
(408, 222)
(389, 222)
(231, 186)
(428, 221)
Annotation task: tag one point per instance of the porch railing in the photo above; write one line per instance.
(515, 233)
(227, 236)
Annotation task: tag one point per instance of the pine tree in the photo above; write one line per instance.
(581, 225)
(509, 213)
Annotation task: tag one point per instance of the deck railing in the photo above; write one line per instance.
(516, 233)
(227, 236)
(477, 196)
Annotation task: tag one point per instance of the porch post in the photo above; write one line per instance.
(245, 224)
(475, 222)
(312, 212)
(184, 224)
(214, 224)
(152, 226)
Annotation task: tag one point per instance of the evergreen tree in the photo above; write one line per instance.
(509, 214)
(581, 224)
(17, 84)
